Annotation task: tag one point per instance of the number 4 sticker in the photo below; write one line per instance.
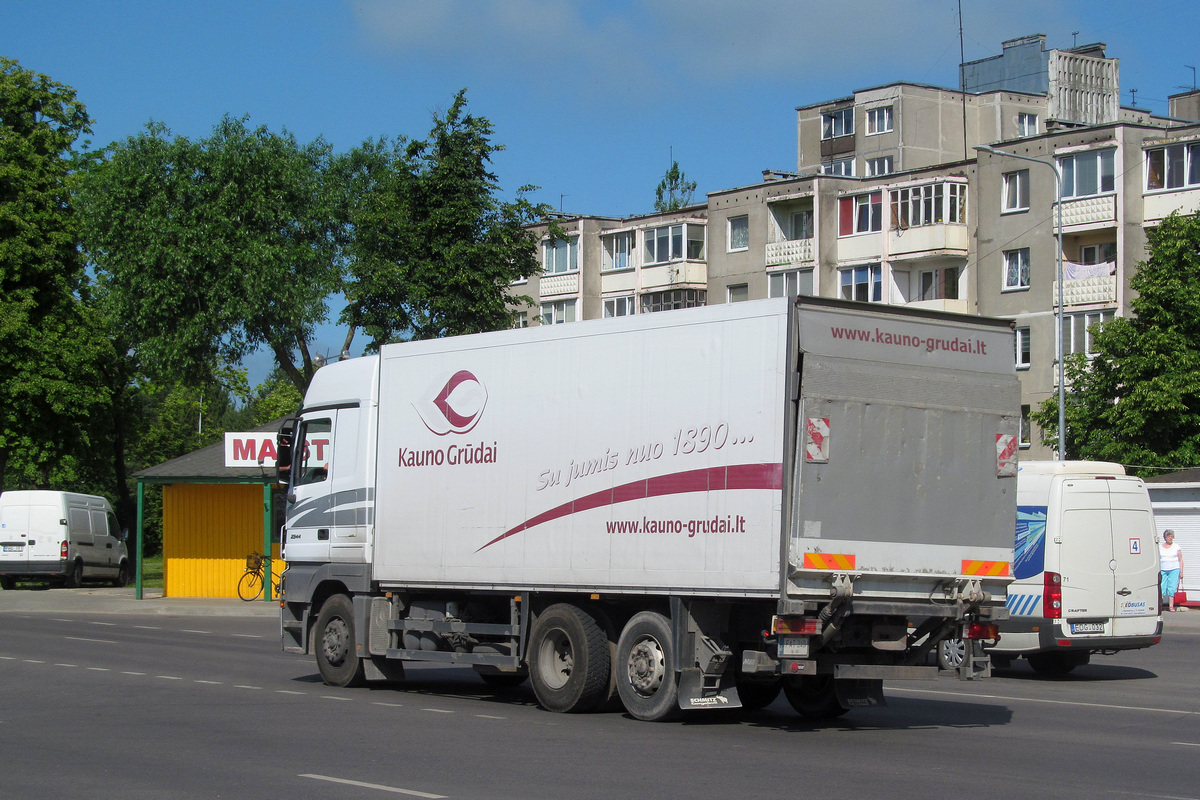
(1135, 547)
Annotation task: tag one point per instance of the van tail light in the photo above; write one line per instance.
(62, 550)
(1052, 598)
(981, 630)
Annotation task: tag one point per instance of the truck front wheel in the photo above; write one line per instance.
(568, 660)
(646, 678)
(337, 655)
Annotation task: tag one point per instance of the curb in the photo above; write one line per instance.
(105, 600)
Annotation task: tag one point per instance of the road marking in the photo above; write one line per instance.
(66, 665)
(147, 627)
(246, 635)
(186, 630)
(244, 686)
(1187, 744)
(133, 673)
(1006, 698)
(109, 624)
(289, 691)
(33, 661)
(8, 658)
(334, 697)
(438, 710)
(389, 705)
(489, 716)
(379, 786)
(168, 677)
(211, 683)
(82, 639)
(98, 669)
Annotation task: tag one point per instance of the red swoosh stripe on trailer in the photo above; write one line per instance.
(739, 476)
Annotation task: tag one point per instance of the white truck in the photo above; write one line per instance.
(671, 511)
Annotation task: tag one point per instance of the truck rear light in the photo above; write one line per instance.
(981, 630)
(1052, 597)
(62, 550)
(808, 626)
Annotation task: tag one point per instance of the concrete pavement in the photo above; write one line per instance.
(108, 600)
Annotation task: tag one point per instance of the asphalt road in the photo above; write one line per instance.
(102, 696)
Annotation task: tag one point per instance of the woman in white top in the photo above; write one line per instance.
(1171, 565)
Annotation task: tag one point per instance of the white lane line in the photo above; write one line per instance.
(66, 665)
(334, 697)
(58, 619)
(1007, 698)
(438, 710)
(210, 683)
(169, 677)
(99, 669)
(133, 673)
(82, 639)
(109, 624)
(289, 691)
(147, 627)
(488, 716)
(33, 661)
(244, 686)
(379, 786)
(186, 630)
(1187, 744)
(8, 658)
(245, 636)
(389, 705)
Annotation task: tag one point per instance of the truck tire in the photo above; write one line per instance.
(568, 660)
(646, 679)
(813, 696)
(74, 577)
(334, 643)
(757, 694)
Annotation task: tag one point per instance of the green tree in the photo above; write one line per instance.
(207, 250)
(434, 250)
(49, 357)
(1137, 402)
(674, 191)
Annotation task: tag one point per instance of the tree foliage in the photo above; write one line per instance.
(49, 356)
(674, 190)
(207, 250)
(1137, 402)
(434, 250)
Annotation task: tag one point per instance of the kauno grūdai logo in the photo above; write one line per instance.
(456, 407)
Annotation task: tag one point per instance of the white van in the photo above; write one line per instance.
(1085, 568)
(60, 537)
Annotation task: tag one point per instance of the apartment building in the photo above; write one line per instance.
(892, 203)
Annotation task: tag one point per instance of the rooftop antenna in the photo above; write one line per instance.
(1193, 69)
(560, 199)
(1133, 97)
(1074, 39)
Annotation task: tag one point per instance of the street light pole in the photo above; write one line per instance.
(1058, 334)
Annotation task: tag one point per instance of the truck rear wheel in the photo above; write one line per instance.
(337, 654)
(813, 696)
(646, 678)
(568, 660)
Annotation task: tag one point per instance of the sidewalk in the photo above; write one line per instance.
(107, 600)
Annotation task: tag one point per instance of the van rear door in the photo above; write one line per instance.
(1113, 567)
(30, 533)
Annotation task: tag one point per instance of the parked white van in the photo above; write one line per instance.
(1085, 568)
(60, 537)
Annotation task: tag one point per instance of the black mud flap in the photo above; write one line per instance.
(860, 693)
(698, 691)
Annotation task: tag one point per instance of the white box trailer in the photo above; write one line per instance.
(682, 510)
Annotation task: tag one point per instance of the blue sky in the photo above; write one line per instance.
(590, 99)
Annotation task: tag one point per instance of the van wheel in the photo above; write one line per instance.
(951, 653)
(1057, 665)
(568, 660)
(646, 678)
(75, 577)
(813, 696)
(122, 578)
(7, 583)
(337, 654)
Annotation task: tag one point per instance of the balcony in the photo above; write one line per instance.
(1088, 284)
(1089, 212)
(676, 274)
(1159, 205)
(566, 283)
(928, 241)
(795, 252)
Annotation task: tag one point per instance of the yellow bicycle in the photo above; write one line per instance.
(250, 586)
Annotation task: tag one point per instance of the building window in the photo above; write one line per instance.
(1026, 435)
(739, 293)
(1027, 124)
(521, 319)
(619, 306)
(879, 166)
(932, 204)
(560, 255)
(739, 233)
(673, 243)
(879, 120)
(675, 298)
(558, 312)
(860, 214)
(864, 284)
(1078, 330)
(837, 123)
(1016, 190)
(800, 225)
(616, 251)
(956, 203)
(1088, 174)
(938, 284)
(792, 282)
(1103, 253)
(839, 166)
(1173, 167)
(1022, 348)
(1016, 269)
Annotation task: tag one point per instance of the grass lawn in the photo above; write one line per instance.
(152, 572)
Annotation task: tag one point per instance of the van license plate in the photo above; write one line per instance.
(12, 548)
(1087, 627)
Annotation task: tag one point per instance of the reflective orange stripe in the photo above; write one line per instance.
(992, 569)
(828, 561)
